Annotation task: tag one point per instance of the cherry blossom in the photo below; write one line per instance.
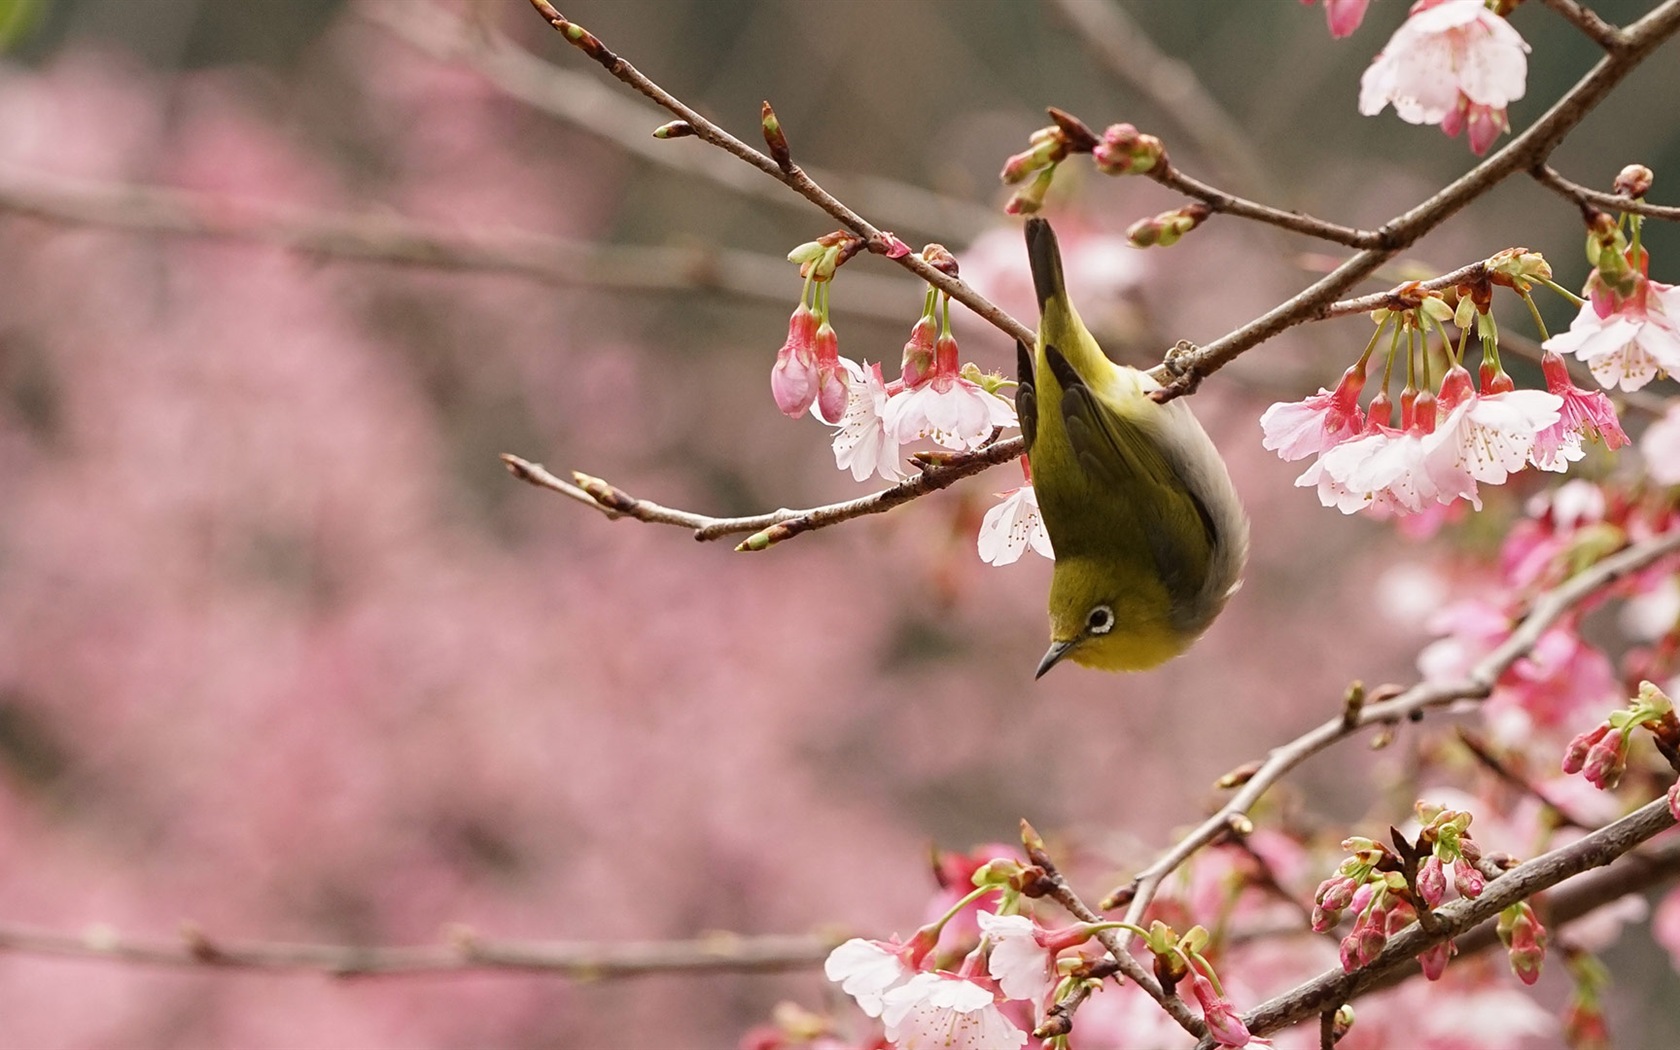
(946, 406)
(1489, 436)
(1454, 63)
(1628, 340)
(1013, 526)
(1298, 429)
(867, 970)
(941, 1011)
(861, 442)
(1022, 965)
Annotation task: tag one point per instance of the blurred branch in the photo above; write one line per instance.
(1169, 84)
(582, 101)
(777, 525)
(1546, 610)
(794, 177)
(406, 242)
(1549, 178)
(1483, 752)
(1330, 990)
(1587, 21)
(463, 952)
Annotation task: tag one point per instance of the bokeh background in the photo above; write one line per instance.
(286, 653)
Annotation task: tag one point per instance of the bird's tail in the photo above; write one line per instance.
(1045, 258)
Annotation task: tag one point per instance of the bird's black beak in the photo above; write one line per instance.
(1052, 657)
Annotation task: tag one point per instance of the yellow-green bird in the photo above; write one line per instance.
(1149, 536)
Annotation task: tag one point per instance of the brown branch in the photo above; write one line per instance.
(398, 241)
(1522, 153)
(1549, 178)
(1546, 610)
(1295, 222)
(779, 524)
(1587, 21)
(585, 103)
(1331, 989)
(795, 178)
(462, 952)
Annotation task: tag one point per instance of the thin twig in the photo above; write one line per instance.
(1230, 204)
(795, 177)
(616, 503)
(1331, 989)
(1546, 610)
(382, 238)
(1548, 177)
(1587, 21)
(584, 102)
(462, 952)
(1483, 753)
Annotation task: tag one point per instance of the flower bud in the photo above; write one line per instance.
(917, 364)
(1432, 883)
(1467, 880)
(1633, 181)
(1124, 151)
(1575, 755)
(676, 129)
(1434, 960)
(793, 379)
(1606, 761)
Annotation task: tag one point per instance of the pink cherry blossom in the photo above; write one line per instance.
(1626, 342)
(867, 970)
(1491, 436)
(861, 442)
(941, 1011)
(1454, 63)
(1223, 1022)
(954, 411)
(1013, 526)
(1583, 414)
(1298, 429)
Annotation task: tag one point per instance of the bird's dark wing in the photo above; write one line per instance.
(1117, 455)
(1026, 397)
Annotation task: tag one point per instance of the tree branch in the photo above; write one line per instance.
(463, 951)
(1522, 153)
(1587, 21)
(1331, 989)
(1230, 204)
(794, 177)
(1546, 610)
(1549, 178)
(777, 525)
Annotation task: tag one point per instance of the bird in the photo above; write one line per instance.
(1148, 532)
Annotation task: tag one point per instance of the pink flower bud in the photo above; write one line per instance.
(1434, 961)
(1634, 181)
(1674, 800)
(1575, 755)
(1432, 883)
(1336, 892)
(1606, 761)
(1524, 939)
(1350, 953)
(1467, 880)
(1123, 151)
(793, 379)
(918, 352)
(1223, 1023)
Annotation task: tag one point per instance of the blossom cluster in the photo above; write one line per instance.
(1468, 432)
(936, 397)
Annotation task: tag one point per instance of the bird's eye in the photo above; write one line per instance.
(1100, 620)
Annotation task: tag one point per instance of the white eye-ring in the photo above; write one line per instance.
(1100, 620)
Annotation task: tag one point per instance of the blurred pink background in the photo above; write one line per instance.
(284, 651)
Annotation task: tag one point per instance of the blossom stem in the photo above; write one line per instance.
(1566, 293)
(1534, 312)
